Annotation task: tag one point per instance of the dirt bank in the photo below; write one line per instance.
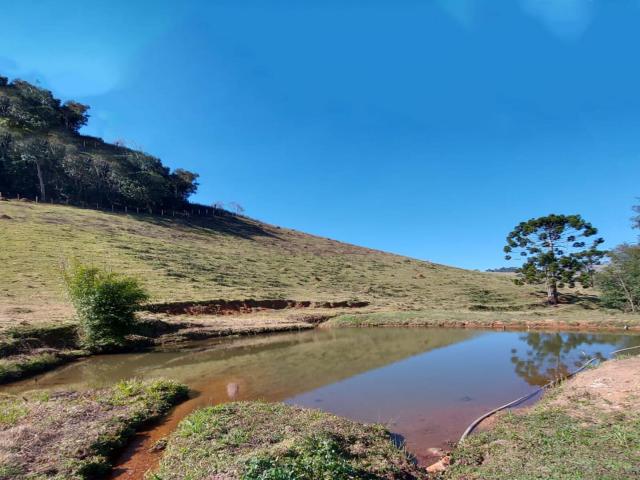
(230, 307)
(587, 428)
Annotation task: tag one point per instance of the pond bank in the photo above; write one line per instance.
(74, 435)
(588, 427)
(254, 440)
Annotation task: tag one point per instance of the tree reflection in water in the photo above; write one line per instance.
(553, 355)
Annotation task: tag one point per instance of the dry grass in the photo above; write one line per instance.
(70, 435)
(231, 258)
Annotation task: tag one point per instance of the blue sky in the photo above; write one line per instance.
(426, 128)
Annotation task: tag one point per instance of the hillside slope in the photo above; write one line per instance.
(220, 257)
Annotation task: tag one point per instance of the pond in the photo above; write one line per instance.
(426, 384)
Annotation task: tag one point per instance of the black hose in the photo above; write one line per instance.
(517, 401)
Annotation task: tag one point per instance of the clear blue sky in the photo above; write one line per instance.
(427, 128)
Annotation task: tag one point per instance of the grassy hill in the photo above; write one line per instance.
(221, 257)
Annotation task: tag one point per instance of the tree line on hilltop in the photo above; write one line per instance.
(42, 154)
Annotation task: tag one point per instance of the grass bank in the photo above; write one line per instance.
(26, 351)
(566, 317)
(263, 441)
(588, 428)
(73, 436)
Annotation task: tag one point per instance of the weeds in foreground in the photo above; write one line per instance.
(317, 458)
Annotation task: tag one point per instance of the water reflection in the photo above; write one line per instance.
(546, 356)
(425, 384)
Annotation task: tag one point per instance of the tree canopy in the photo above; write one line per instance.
(43, 154)
(619, 281)
(555, 251)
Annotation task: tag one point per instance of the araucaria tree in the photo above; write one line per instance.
(558, 250)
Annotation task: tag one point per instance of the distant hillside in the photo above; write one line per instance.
(43, 155)
(203, 258)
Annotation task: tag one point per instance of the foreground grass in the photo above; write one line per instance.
(230, 258)
(587, 429)
(72, 436)
(264, 441)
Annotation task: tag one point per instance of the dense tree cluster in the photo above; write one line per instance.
(42, 154)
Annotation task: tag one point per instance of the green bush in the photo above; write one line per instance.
(105, 303)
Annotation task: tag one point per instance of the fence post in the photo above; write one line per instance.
(36, 198)
(125, 209)
(18, 196)
(137, 209)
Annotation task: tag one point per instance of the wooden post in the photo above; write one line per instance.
(125, 209)
(137, 209)
(36, 198)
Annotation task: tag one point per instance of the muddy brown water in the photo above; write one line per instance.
(425, 384)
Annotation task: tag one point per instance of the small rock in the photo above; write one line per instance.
(440, 466)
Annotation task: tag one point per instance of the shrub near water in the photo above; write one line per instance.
(105, 303)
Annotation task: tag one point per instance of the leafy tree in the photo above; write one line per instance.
(74, 115)
(184, 183)
(619, 281)
(556, 252)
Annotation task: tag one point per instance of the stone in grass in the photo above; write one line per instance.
(269, 441)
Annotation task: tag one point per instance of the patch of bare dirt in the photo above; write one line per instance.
(230, 307)
(613, 386)
(16, 314)
(210, 326)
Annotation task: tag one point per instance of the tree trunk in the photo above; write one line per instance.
(40, 180)
(552, 293)
(627, 293)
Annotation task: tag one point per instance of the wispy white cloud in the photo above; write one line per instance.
(565, 18)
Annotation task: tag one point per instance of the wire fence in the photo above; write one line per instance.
(189, 211)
